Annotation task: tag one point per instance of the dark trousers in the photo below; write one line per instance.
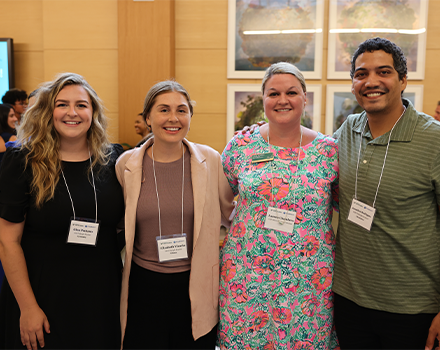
(159, 312)
(361, 328)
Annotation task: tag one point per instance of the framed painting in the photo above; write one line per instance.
(353, 21)
(341, 103)
(245, 107)
(263, 32)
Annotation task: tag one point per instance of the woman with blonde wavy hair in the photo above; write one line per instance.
(60, 203)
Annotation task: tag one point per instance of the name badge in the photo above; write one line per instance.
(83, 231)
(280, 219)
(172, 247)
(262, 157)
(361, 214)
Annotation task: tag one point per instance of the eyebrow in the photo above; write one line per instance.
(84, 101)
(380, 67)
(165, 105)
(292, 87)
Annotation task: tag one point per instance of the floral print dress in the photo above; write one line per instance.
(276, 287)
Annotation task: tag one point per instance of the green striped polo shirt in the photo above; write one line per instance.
(395, 267)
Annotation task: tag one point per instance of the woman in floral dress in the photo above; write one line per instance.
(277, 260)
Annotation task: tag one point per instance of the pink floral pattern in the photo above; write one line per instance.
(275, 287)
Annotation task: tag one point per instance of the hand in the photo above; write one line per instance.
(32, 322)
(251, 128)
(434, 332)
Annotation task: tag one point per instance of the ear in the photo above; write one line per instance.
(403, 83)
(305, 100)
(352, 89)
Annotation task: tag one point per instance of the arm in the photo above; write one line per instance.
(2, 145)
(225, 196)
(32, 319)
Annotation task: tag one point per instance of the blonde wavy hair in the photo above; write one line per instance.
(39, 139)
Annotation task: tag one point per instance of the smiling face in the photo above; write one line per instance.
(73, 113)
(284, 99)
(20, 107)
(169, 118)
(376, 83)
(140, 126)
(12, 119)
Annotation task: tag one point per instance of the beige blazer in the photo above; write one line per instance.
(212, 205)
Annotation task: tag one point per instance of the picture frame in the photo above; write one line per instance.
(248, 97)
(353, 21)
(262, 32)
(341, 102)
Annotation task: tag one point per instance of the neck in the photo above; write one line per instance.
(74, 151)
(166, 152)
(18, 116)
(380, 124)
(282, 136)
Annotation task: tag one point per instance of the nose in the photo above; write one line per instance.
(282, 99)
(372, 80)
(173, 117)
(71, 111)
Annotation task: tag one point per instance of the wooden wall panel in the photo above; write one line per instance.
(80, 24)
(433, 34)
(146, 56)
(206, 127)
(29, 69)
(201, 24)
(22, 21)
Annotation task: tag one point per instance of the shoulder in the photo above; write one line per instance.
(14, 161)
(116, 151)
(427, 123)
(352, 121)
(329, 140)
(125, 156)
(243, 140)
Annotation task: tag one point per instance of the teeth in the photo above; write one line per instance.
(374, 95)
(172, 129)
(72, 123)
(283, 110)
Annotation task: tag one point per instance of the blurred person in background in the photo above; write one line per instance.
(18, 99)
(437, 112)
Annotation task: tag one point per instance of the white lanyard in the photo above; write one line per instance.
(296, 170)
(94, 190)
(386, 153)
(155, 183)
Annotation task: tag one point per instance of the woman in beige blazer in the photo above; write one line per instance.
(176, 197)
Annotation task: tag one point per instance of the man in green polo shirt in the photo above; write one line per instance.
(387, 269)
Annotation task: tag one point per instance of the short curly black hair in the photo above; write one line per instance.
(14, 95)
(376, 44)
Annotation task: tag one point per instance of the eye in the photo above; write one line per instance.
(82, 105)
(385, 72)
(273, 94)
(184, 111)
(61, 104)
(292, 93)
